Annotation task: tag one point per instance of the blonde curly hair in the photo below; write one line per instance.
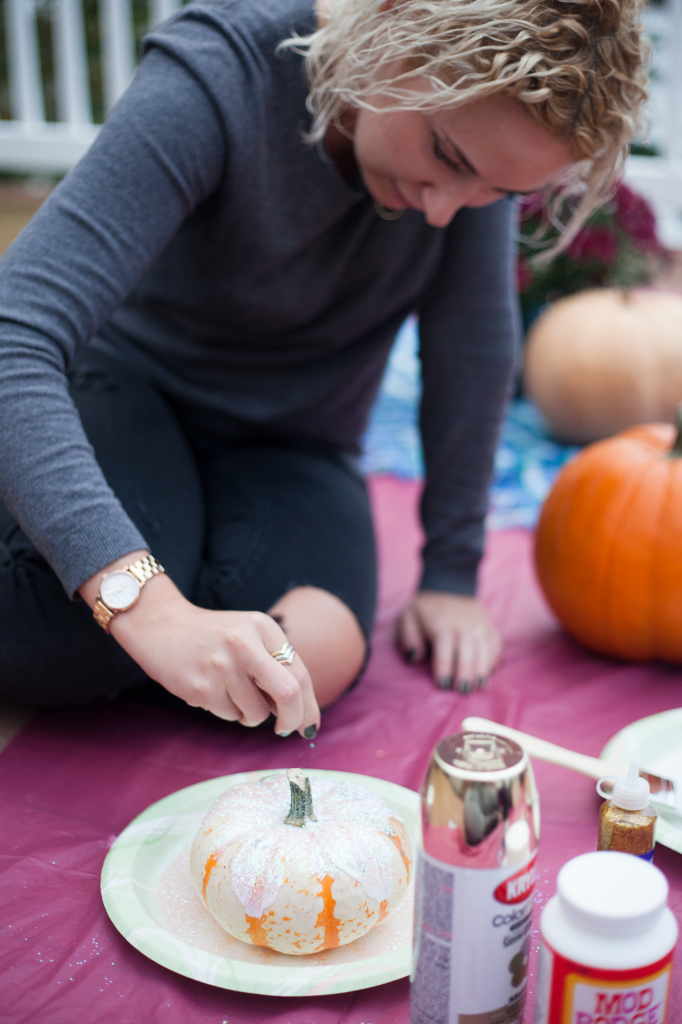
(579, 66)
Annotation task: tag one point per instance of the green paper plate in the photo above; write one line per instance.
(656, 744)
(145, 855)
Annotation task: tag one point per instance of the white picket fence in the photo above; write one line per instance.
(30, 143)
(660, 178)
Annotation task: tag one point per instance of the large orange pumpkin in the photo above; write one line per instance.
(604, 360)
(608, 547)
(300, 864)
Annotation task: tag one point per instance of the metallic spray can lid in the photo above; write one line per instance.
(479, 802)
(474, 754)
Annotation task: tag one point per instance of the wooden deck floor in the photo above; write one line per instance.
(18, 203)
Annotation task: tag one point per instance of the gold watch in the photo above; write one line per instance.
(120, 589)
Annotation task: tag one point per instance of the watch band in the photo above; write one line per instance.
(143, 569)
(102, 614)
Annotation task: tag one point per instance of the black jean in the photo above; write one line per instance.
(237, 520)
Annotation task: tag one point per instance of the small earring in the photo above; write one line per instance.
(387, 214)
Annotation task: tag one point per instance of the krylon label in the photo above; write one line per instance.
(517, 888)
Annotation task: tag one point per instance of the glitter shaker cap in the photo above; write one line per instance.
(612, 892)
(630, 792)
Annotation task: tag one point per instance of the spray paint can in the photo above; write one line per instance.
(475, 882)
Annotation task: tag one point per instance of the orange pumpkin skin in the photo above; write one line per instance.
(310, 914)
(608, 546)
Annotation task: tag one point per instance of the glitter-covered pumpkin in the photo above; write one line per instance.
(300, 864)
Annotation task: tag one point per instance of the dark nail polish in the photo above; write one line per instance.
(284, 734)
(311, 732)
(481, 681)
(464, 686)
(411, 654)
(446, 683)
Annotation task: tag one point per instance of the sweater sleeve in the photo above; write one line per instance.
(160, 154)
(469, 333)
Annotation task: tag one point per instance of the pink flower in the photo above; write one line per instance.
(598, 243)
(637, 219)
(531, 204)
(524, 278)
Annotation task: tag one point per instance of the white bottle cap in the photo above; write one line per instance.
(631, 791)
(612, 892)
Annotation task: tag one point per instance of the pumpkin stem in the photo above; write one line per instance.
(301, 798)
(676, 450)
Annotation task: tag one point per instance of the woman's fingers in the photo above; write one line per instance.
(410, 637)
(471, 659)
(222, 706)
(464, 643)
(221, 661)
(466, 661)
(444, 646)
(289, 687)
(487, 647)
(482, 661)
(267, 677)
(311, 710)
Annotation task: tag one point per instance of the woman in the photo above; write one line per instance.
(221, 277)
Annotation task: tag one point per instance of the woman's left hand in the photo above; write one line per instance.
(457, 632)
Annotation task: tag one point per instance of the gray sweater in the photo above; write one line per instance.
(205, 244)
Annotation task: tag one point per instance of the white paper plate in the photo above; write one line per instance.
(150, 852)
(656, 743)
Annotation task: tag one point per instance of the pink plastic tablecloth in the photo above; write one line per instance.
(73, 779)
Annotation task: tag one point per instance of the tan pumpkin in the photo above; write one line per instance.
(604, 360)
(300, 864)
(608, 546)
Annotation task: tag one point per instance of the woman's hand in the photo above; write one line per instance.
(456, 631)
(220, 661)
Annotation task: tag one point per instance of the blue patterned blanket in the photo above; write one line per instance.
(526, 462)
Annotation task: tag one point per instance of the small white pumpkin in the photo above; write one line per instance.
(604, 360)
(300, 865)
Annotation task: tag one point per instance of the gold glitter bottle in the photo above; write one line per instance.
(626, 818)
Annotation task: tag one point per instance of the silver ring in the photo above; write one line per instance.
(285, 655)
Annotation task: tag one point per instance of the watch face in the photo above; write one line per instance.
(119, 591)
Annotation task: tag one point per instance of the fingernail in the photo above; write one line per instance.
(446, 683)
(311, 732)
(411, 654)
(480, 682)
(464, 686)
(284, 734)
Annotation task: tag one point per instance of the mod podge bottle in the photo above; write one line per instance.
(607, 944)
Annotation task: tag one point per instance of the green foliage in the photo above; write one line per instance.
(617, 246)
